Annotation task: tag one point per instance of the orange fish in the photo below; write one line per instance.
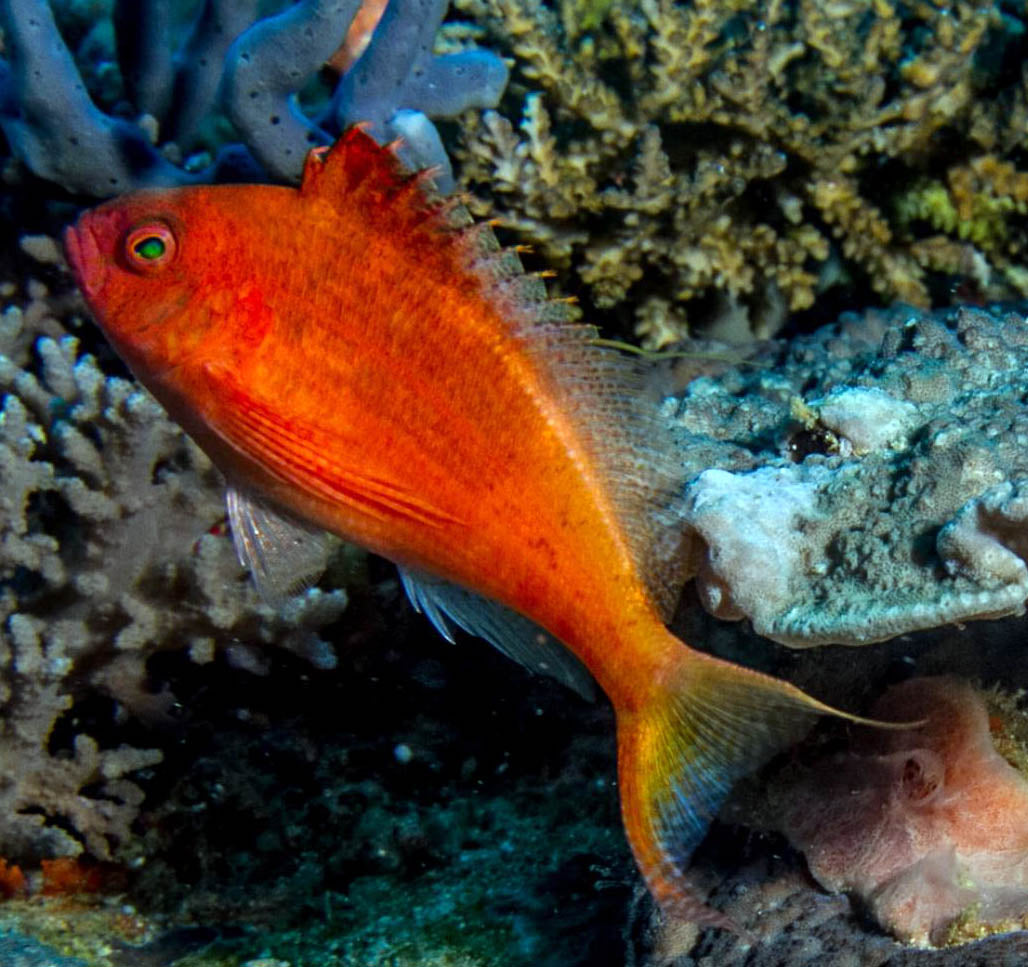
(358, 358)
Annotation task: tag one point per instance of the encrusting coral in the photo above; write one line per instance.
(727, 162)
(173, 74)
(109, 551)
(928, 826)
(864, 481)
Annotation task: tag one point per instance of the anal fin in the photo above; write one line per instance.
(509, 632)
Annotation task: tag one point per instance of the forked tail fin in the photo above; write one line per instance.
(707, 724)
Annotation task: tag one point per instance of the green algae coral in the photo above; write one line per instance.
(977, 213)
(720, 164)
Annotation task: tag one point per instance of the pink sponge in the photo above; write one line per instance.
(928, 826)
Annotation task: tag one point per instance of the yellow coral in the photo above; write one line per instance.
(979, 210)
(722, 149)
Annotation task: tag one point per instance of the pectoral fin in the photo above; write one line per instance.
(285, 556)
(314, 460)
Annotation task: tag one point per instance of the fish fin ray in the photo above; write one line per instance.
(629, 443)
(614, 410)
(358, 176)
(355, 157)
(424, 601)
(707, 724)
(305, 458)
(284, 556)
(509, 632)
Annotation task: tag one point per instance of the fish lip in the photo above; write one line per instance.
(86, 261)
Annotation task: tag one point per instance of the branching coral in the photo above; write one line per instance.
(979, 213)
(714, 154)
(55, 128)
(107, 554)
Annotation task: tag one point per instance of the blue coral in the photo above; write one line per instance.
(50, 121)
(257, 66)
(398, 96)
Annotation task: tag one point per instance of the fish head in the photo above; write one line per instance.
(169, 274)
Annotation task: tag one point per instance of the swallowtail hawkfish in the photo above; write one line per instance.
(359, 358)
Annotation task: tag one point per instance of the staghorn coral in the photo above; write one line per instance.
(109, 552)
(725, 162)
(928, 826)
(978, 211)
(173, 73)
(865, 481)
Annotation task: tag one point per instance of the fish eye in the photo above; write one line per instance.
(150, 247)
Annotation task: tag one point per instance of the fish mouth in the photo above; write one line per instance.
(84, 256)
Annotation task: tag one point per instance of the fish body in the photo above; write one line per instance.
(358, 358)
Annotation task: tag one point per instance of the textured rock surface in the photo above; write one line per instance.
(17, 951)
(927, 826)
(870, 478)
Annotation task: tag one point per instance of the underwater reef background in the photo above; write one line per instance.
(337, 785)
(725, 167)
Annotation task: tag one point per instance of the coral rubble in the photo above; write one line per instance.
(929, 825)
(725, 163)
(865, 481)
(172, 76)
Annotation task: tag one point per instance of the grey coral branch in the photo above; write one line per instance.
(267, 64)
(398, 95)
(201, 64)
(147, 64)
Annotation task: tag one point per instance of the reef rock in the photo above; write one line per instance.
(928, 826)
(865, 481)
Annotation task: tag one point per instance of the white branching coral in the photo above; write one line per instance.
(112, 547)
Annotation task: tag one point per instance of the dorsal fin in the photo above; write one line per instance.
(617, 425)
(617, 419)
(358, 172)
(340, 167)
(625, 439)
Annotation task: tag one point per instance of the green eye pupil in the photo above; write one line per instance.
(149, 248)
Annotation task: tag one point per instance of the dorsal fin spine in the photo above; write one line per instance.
(356, 160)
(479, 239)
